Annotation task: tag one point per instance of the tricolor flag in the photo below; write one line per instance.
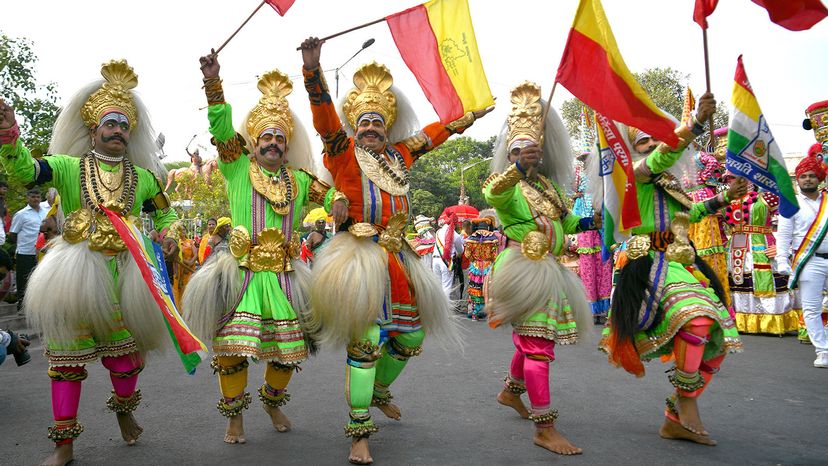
(281, 6)
(150, 260)
(751, 149)
(593, 70)
(436, 41)
(620, 213)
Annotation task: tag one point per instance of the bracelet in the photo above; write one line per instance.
(340, 196)
(519, 168)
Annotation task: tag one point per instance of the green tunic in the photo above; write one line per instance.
(85, 347)
(519, 218)
(684, 296)
(264, 324)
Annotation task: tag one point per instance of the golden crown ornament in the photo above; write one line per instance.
(113, 96)
(273, 110)
(371, 94)
(526, 115)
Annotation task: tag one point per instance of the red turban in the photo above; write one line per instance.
(815, 150)
(810, 163)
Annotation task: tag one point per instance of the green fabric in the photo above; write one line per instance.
(762, 278)
(360, 381)
(19, 164)
(516, 216)
(220, 117)
(646, 205)
(389, 367)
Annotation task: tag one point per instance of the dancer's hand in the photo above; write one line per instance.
(770, 251)
(6, 115)
(481, 113)
(738, 189)
(529, 159)
(209, 65)
(339, 212)
(706, 107)
(311, 50)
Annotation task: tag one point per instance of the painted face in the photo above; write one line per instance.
(371, 132)
(112, 134)
(646, 145)
(271, 148)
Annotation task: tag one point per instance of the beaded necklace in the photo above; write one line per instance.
(401, 180)
(93, 199)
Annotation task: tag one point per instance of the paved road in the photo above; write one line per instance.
(768, 406)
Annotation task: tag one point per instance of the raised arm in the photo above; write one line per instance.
(437, 133)
(229, 144)
(325, 119)
(15, 157)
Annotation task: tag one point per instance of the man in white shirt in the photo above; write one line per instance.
(793, 241)
(448, 244)
(24, 230)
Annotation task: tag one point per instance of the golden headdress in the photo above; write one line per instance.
(526, 114)
(273, 110)
(113, 96)
(372, 94)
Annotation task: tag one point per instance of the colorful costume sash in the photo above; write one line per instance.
(813, 238)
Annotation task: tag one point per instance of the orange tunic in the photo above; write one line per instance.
(368, 202)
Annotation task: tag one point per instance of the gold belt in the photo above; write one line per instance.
(83, 225)
(272, 251)
(390, 237)
(535, 245)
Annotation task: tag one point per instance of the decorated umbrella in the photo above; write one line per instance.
(463, 212)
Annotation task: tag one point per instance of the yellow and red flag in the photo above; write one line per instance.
(593, 70)
(437, 43)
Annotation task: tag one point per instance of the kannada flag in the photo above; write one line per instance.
(751, 149)
(150, 260)
(620, 212)
(593, 70)
(437, 43)
(281, 6)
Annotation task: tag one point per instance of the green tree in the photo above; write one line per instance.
(35, 105)
(208, 200)
(435, 178)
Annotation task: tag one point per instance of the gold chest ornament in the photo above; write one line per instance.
(547, 201)
(280, 193)
(390, 177)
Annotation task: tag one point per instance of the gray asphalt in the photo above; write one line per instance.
(769, 405)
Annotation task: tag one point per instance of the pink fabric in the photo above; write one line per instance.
(692, 361)
(596, 275)
(124, 386)
(66, 396)
(531, 364)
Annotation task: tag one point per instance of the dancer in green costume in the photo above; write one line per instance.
(86, 296)
(668, 302)
(251, 302)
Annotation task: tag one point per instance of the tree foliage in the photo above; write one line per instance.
(435, 178)
(208, 199)
(35, 105)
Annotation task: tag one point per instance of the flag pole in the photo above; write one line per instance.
(712, 140)
(548, 106)
(242, 25)
(370, 23)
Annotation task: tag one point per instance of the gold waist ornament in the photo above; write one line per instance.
(84, 225)
(391, 237)
(272, 253)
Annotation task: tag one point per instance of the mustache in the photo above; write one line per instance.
(371, 133)
(113, 138)
(266, 149)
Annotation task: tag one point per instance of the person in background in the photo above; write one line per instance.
(24, 230)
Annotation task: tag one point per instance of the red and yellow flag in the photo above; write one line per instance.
(437, 43)
(593, 70)
(281, 6)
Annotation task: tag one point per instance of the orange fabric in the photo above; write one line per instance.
(202, 249)
(622, 353)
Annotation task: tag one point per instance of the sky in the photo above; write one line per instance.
(518, 40)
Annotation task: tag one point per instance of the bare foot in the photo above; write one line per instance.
(673, 430)
(512, 400)
(359, 452)
(130, 430)
(391, 410)
(62, 455)
(235, 430)
(552, 440)
(280, 421)
(688, 411)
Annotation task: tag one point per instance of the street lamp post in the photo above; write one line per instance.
(463, 199)
(365, 45)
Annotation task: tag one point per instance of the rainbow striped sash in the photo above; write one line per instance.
(150, 260)
(813, 238)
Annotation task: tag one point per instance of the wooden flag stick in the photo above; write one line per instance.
(242, 25)
(712, 141)
(548, 106)
(348, 30)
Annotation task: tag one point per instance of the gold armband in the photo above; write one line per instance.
(340, 196)
(506, 180)
(461, 123)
